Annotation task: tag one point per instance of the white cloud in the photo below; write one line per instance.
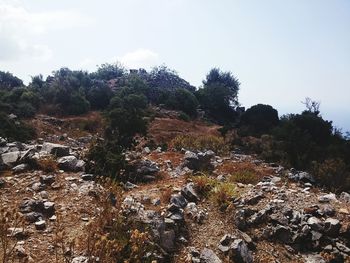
(140, 58)
(20, 28)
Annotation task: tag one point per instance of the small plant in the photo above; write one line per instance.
(204, 184)
(222, 194)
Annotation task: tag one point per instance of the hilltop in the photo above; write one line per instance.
(238, 208)
(117, 166)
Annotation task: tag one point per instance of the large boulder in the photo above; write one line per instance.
(239, 252)
(10, 159)
(142, 170)
(68, 163)
(55, 149)
(199, 161)
(189, 193)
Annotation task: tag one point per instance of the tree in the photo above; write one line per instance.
(218, 97)
(109, 71)
(312, 106)
(224, 80)
(9, 81)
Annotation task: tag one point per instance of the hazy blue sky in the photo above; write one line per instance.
(281, 51)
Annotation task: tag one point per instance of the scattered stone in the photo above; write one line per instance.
(224, 245)
(200, 161)
(55, 149)
(87, 177)
(189, 193)
(146, 150)
(17, 232)
(239, 252)
(68, 163)
(315, 223)
(283, 234)
(80, 259)
(20, 168)
(208, 256)
(167, 240)
(47, 179)
(20, 251)
(327, 198)
(49, 208)
(10, 159)
(40, 225)
(332, 227)
(178, 200)
(128, 185)
(344, 196)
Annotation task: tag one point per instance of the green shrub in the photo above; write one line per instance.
(15, 130)
(184, 117)
(183, 100)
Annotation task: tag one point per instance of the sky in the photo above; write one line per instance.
(281, 51)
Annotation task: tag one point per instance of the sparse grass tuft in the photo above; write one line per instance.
(204, 184)
(47, 164)
(244, 177)
(223, 193)
(244, 172)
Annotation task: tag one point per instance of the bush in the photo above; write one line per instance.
(184, 117)
(77, 105)
(332, 173)
(183, 100)
(25, 110)
(258, 120)
(15, 130)
(200, 143)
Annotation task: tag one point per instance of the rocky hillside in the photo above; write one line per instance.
(194, 205)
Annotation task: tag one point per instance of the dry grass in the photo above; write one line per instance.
(223, 193)
(163, 130)
(244, 172)
(200, 143)
(47, 164)
(10, 220)
(204, 184)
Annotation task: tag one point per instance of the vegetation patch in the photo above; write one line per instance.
(200, 143)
